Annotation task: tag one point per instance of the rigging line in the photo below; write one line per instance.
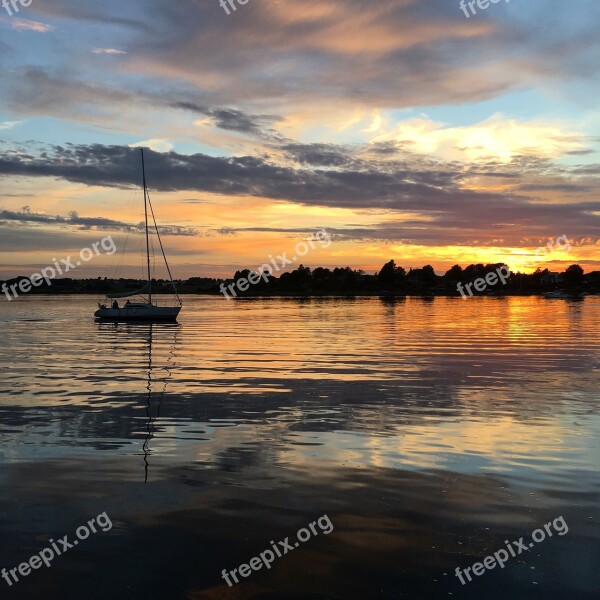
(162, 249)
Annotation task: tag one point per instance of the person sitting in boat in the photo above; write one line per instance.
(115, 304)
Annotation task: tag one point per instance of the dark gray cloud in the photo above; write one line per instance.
(585, 152)
(452, 213)
(319, 155)
(568, 188)
(25, 216)
(394, 186)
(435, 233)
(233, 119)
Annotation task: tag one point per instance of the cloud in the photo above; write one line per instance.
(41, 93)
(107, 51)
(426, 202)
(154, 144)
(107, 13)
(27, 25)
(377, 54)
(9, 124)
(318, 60)
(26, 216)
(496, 137)
(38, 91)
(231, 119)
(321, 155)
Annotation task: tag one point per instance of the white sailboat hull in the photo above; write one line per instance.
(139, 312)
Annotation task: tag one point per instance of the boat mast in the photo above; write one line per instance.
(147, 238)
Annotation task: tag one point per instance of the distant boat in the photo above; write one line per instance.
(557, 294)
(143, 310)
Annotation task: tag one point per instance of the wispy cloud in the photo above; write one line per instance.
(27, 216)
(27, 25)
(154, 144)
(9, 124)
(107, 51)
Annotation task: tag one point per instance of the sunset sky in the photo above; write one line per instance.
(403, 128)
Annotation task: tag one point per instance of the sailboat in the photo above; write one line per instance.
(143, 310)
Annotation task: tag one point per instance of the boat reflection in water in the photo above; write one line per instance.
(157, 375)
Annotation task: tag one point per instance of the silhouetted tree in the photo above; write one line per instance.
(298, 278)
(345, 275)
(321, 273)
(391, 275)
(454, 274)
(573, 275)
(241, 274)
(428, 275)
(473, 272)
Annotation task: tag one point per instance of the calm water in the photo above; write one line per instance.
(429, 431)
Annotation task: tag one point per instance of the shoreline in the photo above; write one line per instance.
(246, 296)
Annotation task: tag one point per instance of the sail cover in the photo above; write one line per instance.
(143, 290)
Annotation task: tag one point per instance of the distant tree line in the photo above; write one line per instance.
(391, 280)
